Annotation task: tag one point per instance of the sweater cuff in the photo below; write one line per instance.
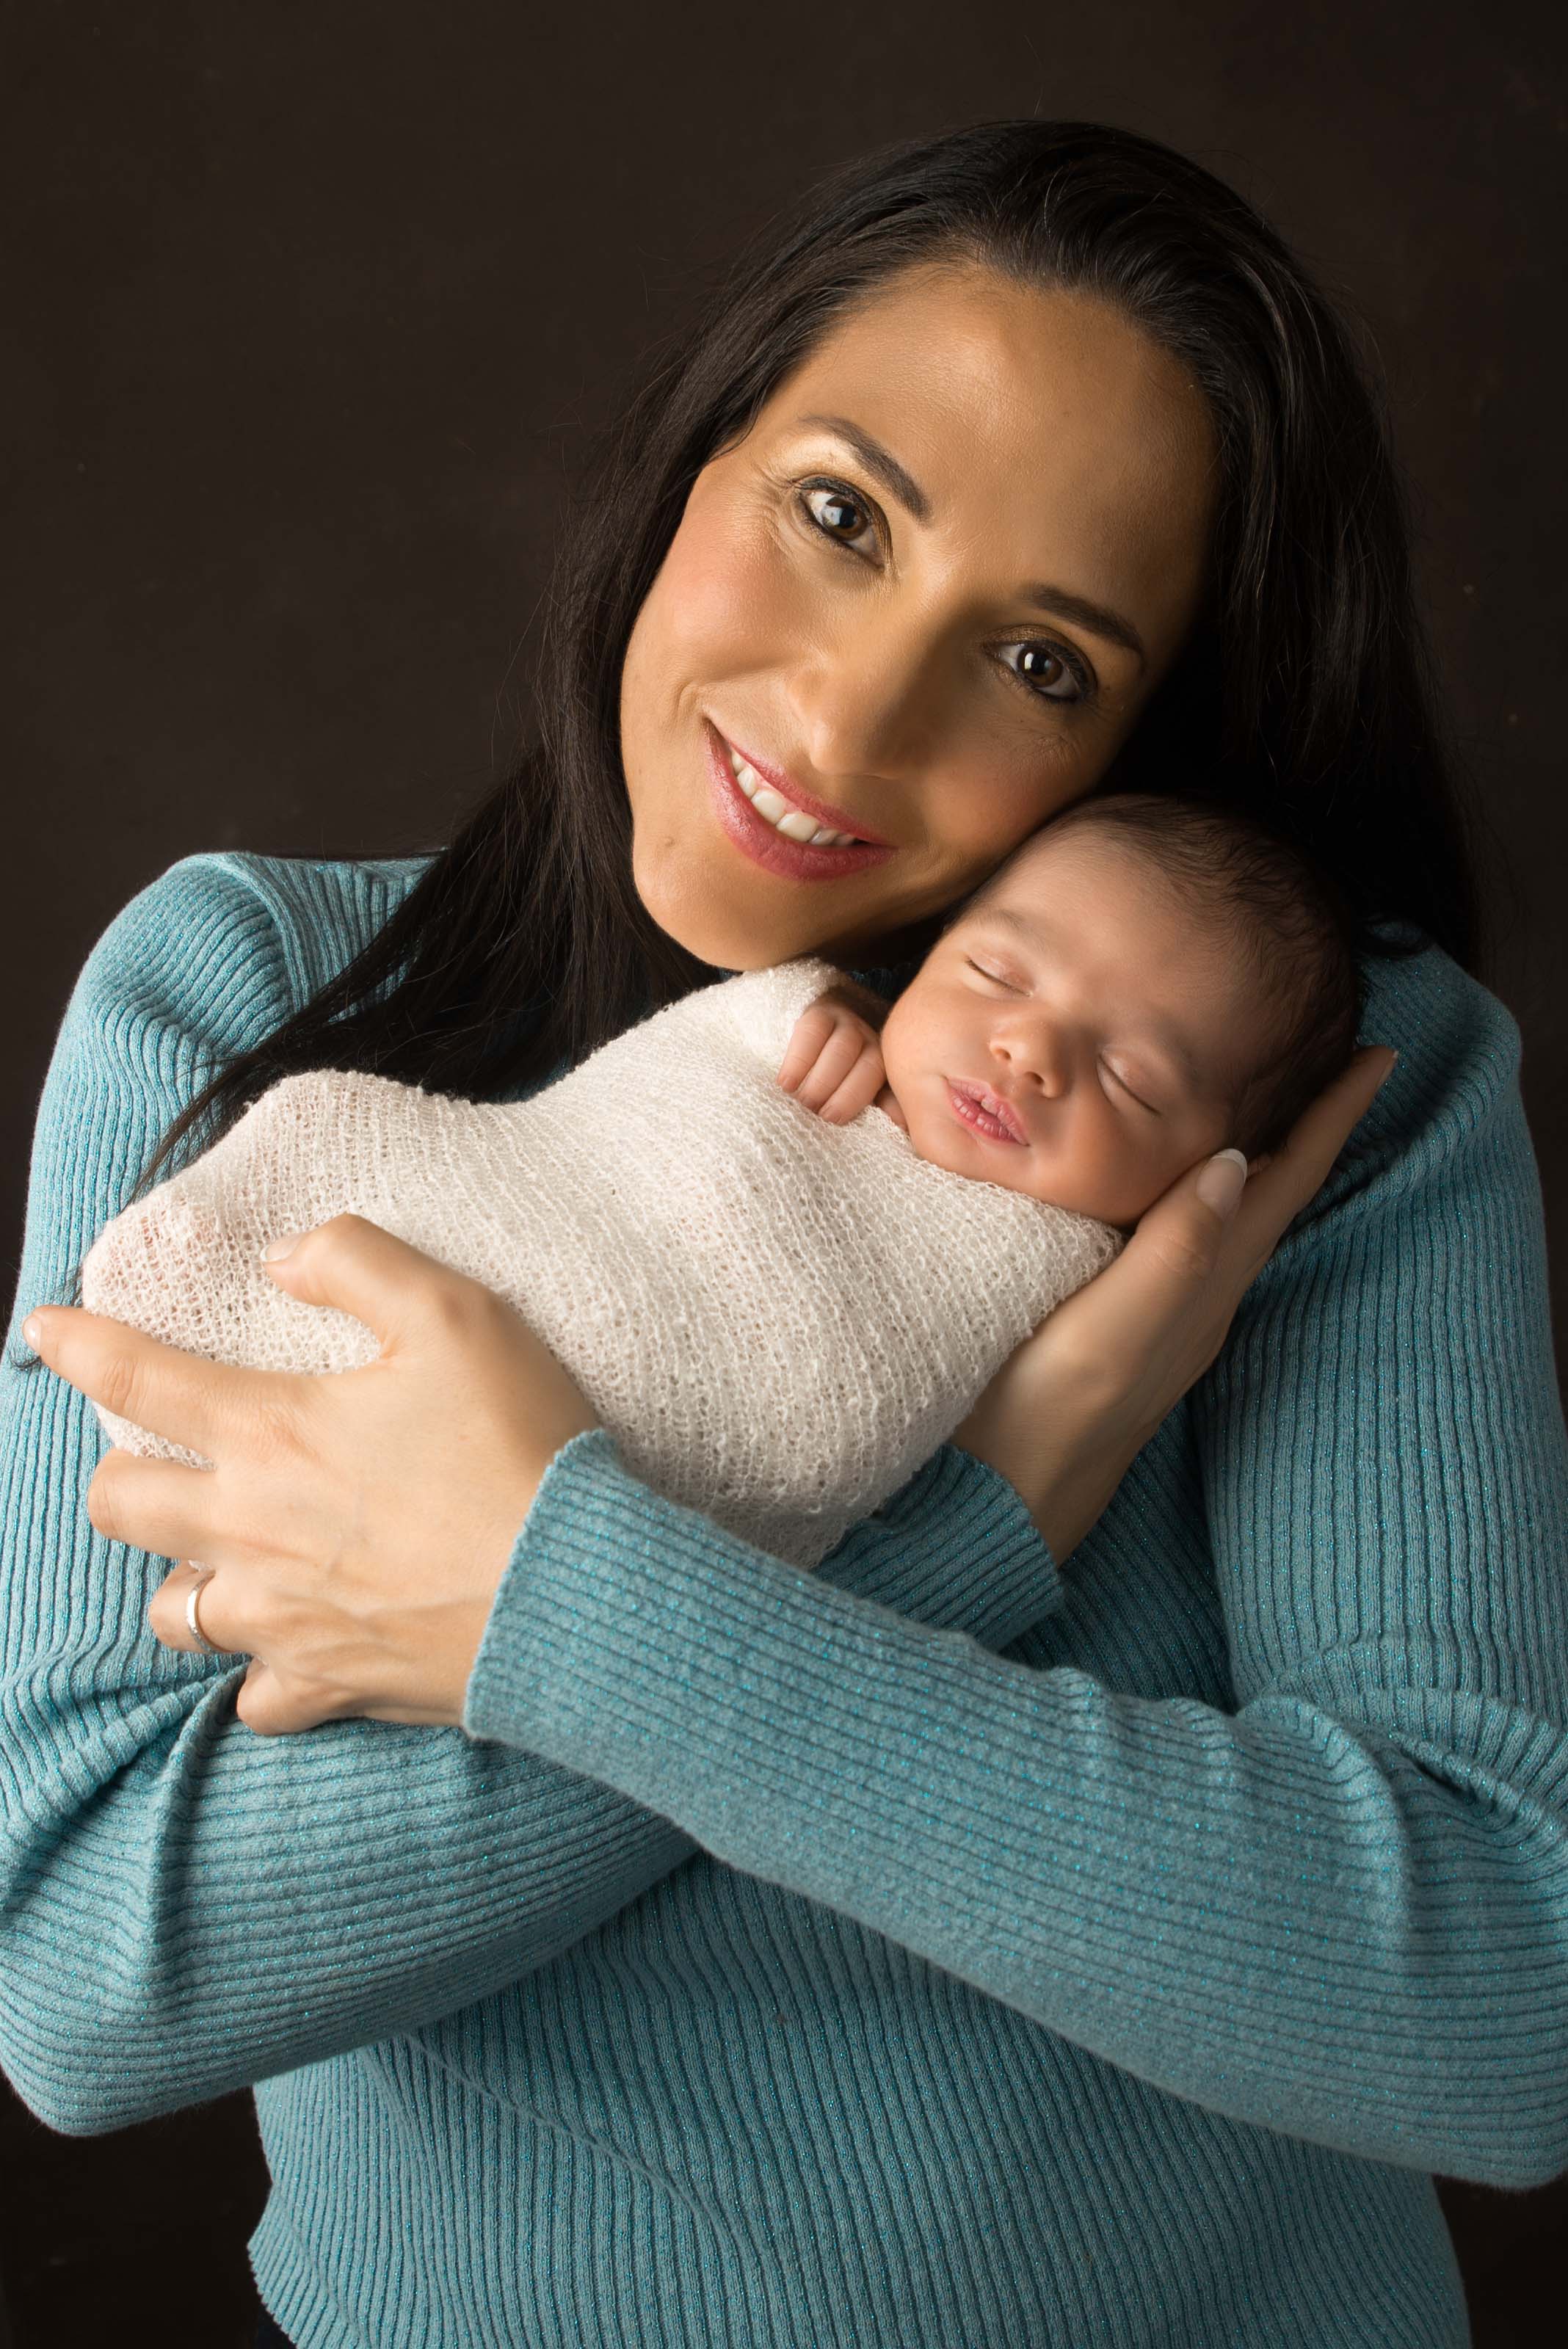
(955, 1547)
(605, 1566)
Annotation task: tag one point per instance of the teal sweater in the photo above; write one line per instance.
(932, 1952)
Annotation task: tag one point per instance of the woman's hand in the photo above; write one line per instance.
(1071, 1407)
(357, 1525)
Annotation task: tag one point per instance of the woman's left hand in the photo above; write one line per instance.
(356, 1525)
(1071, 1407)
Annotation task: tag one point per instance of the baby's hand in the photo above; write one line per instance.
(833, 1061)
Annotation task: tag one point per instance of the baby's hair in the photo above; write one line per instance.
(1290, 918)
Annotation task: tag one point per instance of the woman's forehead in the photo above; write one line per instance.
(1040, 424)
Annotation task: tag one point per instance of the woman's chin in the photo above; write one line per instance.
(726, 935)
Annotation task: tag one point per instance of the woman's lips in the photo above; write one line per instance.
(1003, 1124)
(833, 818)
(792, 860)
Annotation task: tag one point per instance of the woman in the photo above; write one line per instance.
(939, 1949)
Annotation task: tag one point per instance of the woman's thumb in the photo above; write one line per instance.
(1178, 1238)
(354, 1265)
(1221, 1181)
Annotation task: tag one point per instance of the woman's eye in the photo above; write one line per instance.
(836, 512)
(1050, 673)
(994, 974)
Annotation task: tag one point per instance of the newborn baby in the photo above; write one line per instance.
(779, 1315)
(1145, 982)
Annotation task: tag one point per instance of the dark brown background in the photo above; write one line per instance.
(310, 310)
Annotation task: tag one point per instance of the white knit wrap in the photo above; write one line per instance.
(777, 1320)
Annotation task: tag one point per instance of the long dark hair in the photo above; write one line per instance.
(1304, 693)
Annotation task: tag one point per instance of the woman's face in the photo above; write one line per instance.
(925, 597)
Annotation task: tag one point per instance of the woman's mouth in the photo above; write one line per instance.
(985, 1112)
(778, 831)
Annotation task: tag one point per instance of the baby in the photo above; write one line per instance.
(1145, 982)
(780, 1306)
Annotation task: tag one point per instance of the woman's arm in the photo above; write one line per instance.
(186, 1907)
(1339, 1910)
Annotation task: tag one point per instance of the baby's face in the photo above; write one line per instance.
(1112, 1024)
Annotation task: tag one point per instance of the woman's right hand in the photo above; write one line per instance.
(1071, 1407)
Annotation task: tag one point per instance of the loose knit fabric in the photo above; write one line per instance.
(778, 1320)
(932, 1952)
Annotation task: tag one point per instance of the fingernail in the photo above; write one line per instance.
(1221, 1183)
(284, 1245)
(31, 1330)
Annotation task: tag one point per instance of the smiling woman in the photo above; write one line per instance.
(652, 1943)
(890, 666)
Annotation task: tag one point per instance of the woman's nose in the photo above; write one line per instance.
(866, 701)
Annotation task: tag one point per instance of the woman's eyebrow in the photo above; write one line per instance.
(882, 463)
(879, 461)
(1098, 619)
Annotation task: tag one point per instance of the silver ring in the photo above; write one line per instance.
(193, 1621)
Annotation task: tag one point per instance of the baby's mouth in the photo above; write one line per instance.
(985, 1112)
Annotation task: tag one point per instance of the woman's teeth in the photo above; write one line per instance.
(774, 808)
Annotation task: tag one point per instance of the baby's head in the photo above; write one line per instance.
(1144, 982)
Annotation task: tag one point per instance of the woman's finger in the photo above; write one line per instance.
(1194, 1253)
(168, 1612)
(1298, 1169)
(183, 1397)
(275, 1706)
(158, 1506)
(366, 1271)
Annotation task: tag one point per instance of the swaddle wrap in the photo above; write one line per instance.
(777, 1320)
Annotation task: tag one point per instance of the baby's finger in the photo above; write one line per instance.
(811, 1031)
(832, 1065)
(858, 1090)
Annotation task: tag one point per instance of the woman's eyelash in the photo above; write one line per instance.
(841, 490)
(1071, 662)
(1075, 667)
(994, 976)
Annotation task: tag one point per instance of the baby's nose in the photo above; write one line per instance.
(1038, 1056)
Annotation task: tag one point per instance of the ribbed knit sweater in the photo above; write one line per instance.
(935, 1952)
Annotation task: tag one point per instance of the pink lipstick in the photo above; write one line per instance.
(792, 860)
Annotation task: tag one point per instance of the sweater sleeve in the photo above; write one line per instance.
(185, 1907)
(1338, 1911)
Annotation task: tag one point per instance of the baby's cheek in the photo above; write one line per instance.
(900, 1042)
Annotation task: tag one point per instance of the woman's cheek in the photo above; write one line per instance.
(726, 597)
(1000, 795)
